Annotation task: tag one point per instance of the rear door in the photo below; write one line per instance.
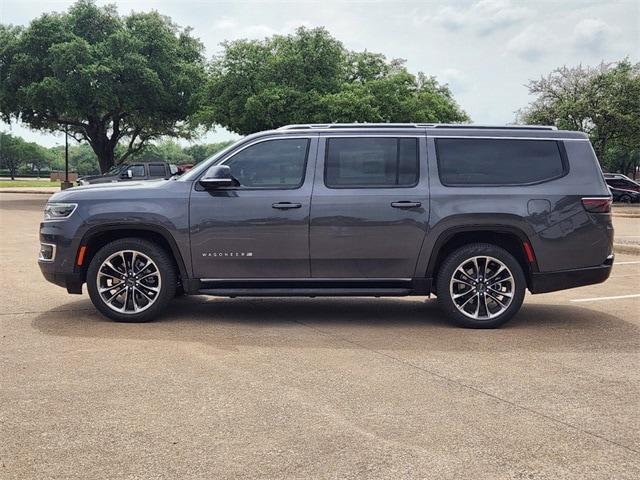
(370, 206)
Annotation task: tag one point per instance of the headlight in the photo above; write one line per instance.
(59, 211)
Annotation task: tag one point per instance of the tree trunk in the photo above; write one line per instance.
(105, 153)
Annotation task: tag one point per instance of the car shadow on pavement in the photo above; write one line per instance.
(403, 324)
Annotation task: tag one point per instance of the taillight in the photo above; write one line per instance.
(597, 204)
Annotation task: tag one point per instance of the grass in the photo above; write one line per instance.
(29, 183)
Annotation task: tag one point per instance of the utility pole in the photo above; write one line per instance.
(66, 184)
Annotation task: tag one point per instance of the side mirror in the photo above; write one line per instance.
(218, 176)
(127, 174)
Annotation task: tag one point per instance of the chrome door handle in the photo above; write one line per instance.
(406, 204)
(286, 205)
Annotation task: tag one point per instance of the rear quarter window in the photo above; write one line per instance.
(483, 161)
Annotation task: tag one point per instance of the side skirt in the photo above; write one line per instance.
(290, 287)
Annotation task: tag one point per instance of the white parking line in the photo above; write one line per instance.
(626, 263)
(605, 298)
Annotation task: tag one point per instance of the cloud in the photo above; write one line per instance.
(532, 43)
(233, 29)
(456, 79)
(483, 17)
(225, 23)
(591, 34)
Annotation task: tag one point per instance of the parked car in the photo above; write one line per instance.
(473, 215)
(133, 171)
(184, 168)
(624, 196)
(617, 180)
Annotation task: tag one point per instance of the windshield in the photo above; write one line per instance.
(206, 163)
(116, 169)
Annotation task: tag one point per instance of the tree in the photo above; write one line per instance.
(82, 159)
(16, 154)
(602, 101)
(202, 151)
(310, 77)
(10, 157)
(112, 80)
(166, 151)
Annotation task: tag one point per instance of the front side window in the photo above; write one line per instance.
(482, 161)
(156, 170)
(137, 170)
(371, 162)
(271, 164)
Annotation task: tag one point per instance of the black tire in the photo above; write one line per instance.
(165, 268)
(625, 199)
(458, 258)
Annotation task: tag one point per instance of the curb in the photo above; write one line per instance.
(46, 192)
(626, 215)
(626, 248)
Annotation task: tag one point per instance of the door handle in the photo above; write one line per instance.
(286, 205)
(405, 204)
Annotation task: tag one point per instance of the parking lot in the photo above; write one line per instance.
(314, 388)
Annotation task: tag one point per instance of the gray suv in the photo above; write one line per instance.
(473, 215)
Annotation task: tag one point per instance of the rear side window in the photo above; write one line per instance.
(482, 161)
(156, 170)
(371, 162)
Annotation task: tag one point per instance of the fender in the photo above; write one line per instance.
(430, 249)
(144, 227)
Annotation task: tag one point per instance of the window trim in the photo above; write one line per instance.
(262, 140)
(373, 187)
(559, 145)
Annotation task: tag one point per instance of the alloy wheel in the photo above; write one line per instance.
(482, 287)
(129, 282)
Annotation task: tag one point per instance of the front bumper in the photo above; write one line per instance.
(544, 282)
(61, 269)
(71, 281)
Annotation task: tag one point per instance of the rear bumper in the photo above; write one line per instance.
(565, 279)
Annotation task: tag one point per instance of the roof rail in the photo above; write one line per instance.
(494, 127)
(306, 126)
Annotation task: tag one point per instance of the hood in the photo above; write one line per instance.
(111, 190)
(92, 177)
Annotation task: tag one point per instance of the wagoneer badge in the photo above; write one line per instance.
(227, 254)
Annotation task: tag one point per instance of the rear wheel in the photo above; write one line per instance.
(131, 280)
(625, 198)
(481, 286)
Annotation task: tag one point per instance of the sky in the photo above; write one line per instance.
(485, 50)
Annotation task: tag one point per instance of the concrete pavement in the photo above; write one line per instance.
(313, 388)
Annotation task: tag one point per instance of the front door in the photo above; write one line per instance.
(370, 207)
(259, 229)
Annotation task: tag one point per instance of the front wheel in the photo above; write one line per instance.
(131, 280)
(481, 286)
(625, 199)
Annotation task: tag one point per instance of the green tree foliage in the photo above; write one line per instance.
(603, 102)
(82, 159)
(171, 152)
(16, 154)
(114, 80)
(202, 151)
(310, 77)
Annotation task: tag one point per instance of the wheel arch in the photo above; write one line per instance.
(508, 237)
(97, 237)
